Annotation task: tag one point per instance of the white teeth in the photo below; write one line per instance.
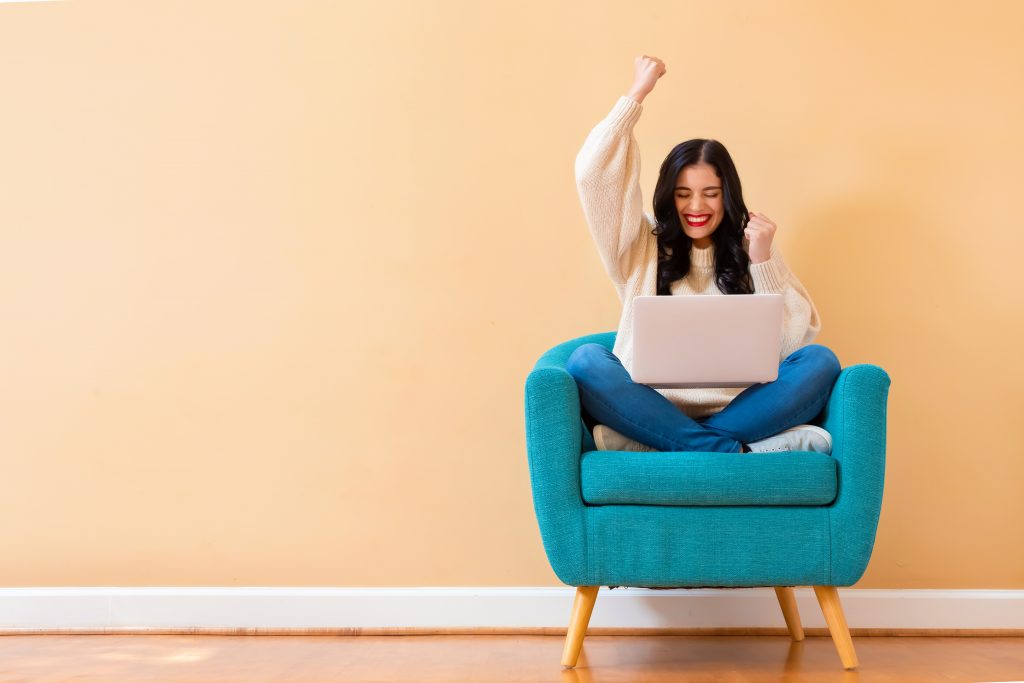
(697, 221)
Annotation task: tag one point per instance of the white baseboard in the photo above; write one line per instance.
(40, 609)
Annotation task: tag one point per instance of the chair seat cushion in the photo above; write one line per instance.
(664, 478)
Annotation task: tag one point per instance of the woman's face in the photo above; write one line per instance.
(699, 202)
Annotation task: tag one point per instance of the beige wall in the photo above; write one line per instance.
(274, 273)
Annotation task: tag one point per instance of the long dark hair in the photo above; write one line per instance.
(732, 264)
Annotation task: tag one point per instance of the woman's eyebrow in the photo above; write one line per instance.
(709, 187)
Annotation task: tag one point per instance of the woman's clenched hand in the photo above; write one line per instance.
(646, 72)
(759, 231)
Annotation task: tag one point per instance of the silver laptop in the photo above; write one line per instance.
(706, 340)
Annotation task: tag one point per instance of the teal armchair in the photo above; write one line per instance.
(693, 520)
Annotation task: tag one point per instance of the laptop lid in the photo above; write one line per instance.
(706, 340)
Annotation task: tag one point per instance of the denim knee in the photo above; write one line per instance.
(823, 360)
(584, 358)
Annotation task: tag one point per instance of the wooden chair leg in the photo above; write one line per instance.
(787, 601)
(582, 608)
(828, 598)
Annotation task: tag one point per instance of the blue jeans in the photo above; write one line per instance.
(610, 397)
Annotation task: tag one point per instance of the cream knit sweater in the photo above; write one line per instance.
(608, 180)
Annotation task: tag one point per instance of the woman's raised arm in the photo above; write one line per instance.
(608, 175)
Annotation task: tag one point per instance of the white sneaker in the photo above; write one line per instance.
(607, 439)
(799, 438)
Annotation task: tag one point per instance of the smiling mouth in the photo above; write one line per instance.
(697, 221)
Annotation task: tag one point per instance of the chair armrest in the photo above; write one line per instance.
(855, 416)
(553, 445)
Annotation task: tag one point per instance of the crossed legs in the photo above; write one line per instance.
(609, 396)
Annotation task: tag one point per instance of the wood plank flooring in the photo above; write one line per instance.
(482, 658)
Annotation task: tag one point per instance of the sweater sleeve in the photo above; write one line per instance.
(608, 181)
(800, 320)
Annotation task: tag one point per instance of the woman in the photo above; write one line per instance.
(699, 240)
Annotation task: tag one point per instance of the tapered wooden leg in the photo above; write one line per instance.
(828, 598)
(787, 601)
(582, 608)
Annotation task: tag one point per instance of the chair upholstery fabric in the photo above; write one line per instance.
(642, 478)
(721, 536)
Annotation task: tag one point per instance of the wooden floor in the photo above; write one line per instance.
(478, 659)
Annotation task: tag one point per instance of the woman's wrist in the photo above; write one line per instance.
(637, 95)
